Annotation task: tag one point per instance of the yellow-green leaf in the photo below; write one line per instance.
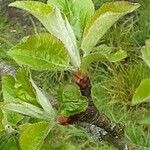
(77, 12)
(146, 52)
(32, 135)
(146, 119)
(142, 93)
(38, 9)
(43, 101)
(103, 55)
(102, 20)
(26, 109)
(117, 56)
(41, 52)
(8, 83)
(87, 60)
(18, 89)
(55, 24)
(72, 101)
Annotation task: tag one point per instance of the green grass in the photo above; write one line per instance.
(124, 80)
(113, 84)
(143, 25)
(114, 102)
(4, 37)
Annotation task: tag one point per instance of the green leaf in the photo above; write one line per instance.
(1, 119)
(146, 119)
(18, 89)
(3, 140)
(38, 9)
(32, 136)
(71, 45)
(72, 102)
(13, 117)
(117, 56)
(8, 83)
(26, 109)
(8, 142)
(103, 49)
(41, 52)
(12, 144)
(142, 93)
(22, 82)
(54, 23)
(103, 54)
(146, 52)
(21, 90)
(77, 11)
(44, 101)
(87, 60)
(111, 56)
(102, 20)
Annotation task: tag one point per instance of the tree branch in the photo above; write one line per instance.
(112, 132)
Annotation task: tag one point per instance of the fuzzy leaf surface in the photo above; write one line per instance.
(8, 142)
(18, 89)
(77, 12)
(102, 20)
(102, 56)
(72, 101)
(52, 20)
(43, 101)
(26, 109)
(32, 135)
(41, 52)
(37, 9)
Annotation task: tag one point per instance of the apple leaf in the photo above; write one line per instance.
(41, 52)
(146, 119)
(43, 101)
(52, 20)
(26, 109)
(32, 136)
(72, 101)
(77, 12)
(142, 93)
(102, 20)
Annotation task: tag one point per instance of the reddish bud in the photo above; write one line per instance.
(63, 120)
(81, 79)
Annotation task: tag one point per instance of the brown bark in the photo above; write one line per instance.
(112, 132)
(92, 115)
